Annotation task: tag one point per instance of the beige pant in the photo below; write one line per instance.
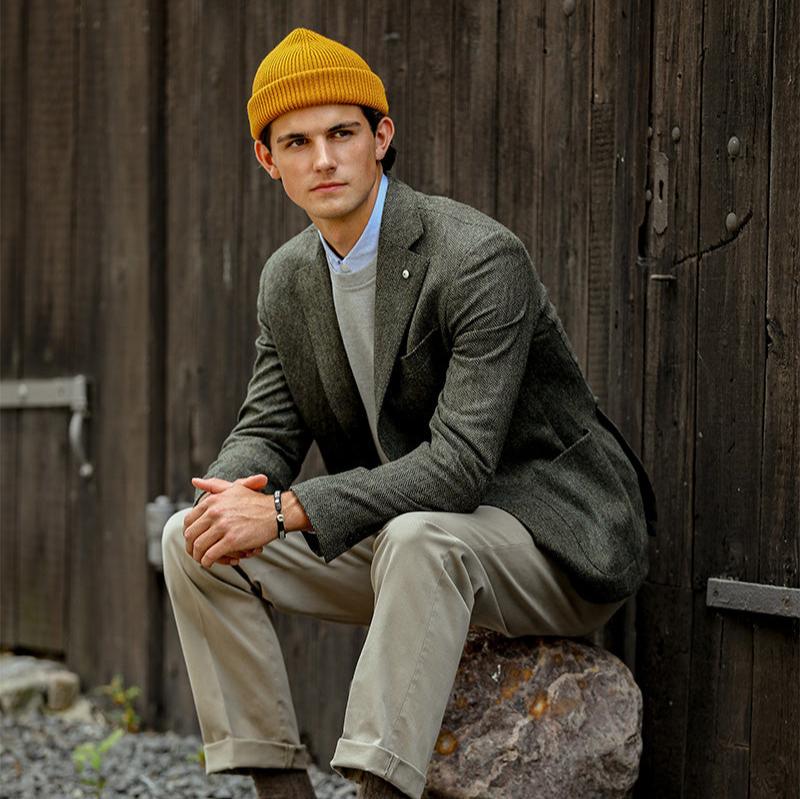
(419, 583)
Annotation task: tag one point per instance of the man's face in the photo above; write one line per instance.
(327, 158)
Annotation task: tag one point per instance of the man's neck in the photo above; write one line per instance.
(343, 233)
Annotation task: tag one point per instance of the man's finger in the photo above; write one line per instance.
(194, 530)
(254, 481)
(214, 485)
(205, 541)
(214, 553)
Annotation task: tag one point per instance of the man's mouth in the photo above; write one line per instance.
(327, 186)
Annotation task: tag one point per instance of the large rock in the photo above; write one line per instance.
(28, 683)
(538, 718)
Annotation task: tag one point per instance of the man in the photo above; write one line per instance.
(472, 478)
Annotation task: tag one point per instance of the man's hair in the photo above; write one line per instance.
(373, 117)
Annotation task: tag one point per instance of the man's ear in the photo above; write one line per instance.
(384, 133)
(264, 157)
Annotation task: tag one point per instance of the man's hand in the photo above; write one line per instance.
(233, 521)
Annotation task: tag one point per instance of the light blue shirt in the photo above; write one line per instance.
(365, 250)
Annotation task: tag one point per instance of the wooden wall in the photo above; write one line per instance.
(722, 398)
(135, 222)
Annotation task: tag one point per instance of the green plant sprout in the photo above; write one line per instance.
(90, 756)
(122, 698)
(198, 757)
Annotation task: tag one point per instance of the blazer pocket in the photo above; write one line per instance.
(584, 490)
(645, 486)
(422, 354)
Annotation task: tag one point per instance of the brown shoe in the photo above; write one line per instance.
(370, 786)
(275, 783)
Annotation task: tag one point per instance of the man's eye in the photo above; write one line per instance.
(294, 142)
(342, 134)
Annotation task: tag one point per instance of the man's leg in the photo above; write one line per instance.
(234, 660)
(433, 575)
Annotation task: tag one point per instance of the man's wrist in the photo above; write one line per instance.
(293, 513)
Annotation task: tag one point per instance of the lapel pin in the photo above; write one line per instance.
(406, 274)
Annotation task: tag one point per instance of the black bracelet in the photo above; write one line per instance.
(279, 515)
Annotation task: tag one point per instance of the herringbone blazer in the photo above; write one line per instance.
(480, 399)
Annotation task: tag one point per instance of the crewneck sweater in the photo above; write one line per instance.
(354, 301)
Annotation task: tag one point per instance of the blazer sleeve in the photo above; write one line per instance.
(270, 436)
(492, 306)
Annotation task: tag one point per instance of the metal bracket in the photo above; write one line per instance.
(58, 392)
(772, 600)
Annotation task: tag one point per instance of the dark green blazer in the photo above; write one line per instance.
(480, 399)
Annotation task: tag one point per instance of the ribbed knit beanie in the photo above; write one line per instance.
(308, 69)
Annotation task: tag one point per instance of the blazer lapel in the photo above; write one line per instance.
(316, 298)
(400, 276)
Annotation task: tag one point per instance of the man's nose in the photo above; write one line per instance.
(323, 157)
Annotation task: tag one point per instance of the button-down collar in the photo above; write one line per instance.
(365, 249)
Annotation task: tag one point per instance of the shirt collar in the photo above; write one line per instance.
(365, 249)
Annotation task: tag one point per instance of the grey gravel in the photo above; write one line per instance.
(36, 761)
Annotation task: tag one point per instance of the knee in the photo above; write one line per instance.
(418, 534)
(173, 547)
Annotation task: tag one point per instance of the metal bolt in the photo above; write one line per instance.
(734, 146)
(406, 274)
(569, 7)
(649, 132)
(731, 222)
(676, 134)
(648, 195)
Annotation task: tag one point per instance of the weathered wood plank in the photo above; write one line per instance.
(701, 752)
(42, 531)
(672, 244)
(114, 342)
(427, 164)
(564, 204)
(208, 155)
(731, 346)
(46, 321)
(520, 95)
(774, 745)
(775, 730)
(730, 352)
(205, 270)
(9, 526)
(664, 636)
(473, 114)
(628, 287)
(600, 177)
(386, 51)
(87, 620)
(190, 445)
(12, 190)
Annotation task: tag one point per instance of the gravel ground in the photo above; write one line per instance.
(36, 761)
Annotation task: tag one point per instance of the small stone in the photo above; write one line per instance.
(62, 689)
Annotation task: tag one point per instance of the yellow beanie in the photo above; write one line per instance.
(308, 69)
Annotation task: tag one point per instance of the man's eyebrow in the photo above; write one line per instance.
(340, 126)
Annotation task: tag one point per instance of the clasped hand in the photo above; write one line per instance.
(233, 520)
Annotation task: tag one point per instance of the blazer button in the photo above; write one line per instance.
(406, 274)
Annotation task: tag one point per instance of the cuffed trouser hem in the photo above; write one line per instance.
(250, 753)
(378, 761)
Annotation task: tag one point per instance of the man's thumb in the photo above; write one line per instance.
(254, 481)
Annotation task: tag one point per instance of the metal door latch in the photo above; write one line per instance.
(772, 600)
(58, 392)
